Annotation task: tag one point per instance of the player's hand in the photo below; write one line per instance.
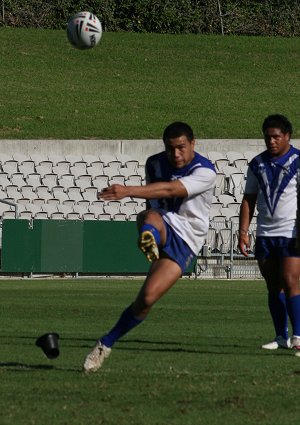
(113, 192)
(244, 244)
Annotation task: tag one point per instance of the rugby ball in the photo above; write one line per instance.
(84, 30)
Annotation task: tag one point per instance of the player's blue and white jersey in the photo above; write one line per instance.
(189, 216)
(274, 180)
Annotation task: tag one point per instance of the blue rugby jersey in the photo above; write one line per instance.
(189, 216)
(274, 180)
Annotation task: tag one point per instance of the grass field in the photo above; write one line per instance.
(196, 359)
(132, 85)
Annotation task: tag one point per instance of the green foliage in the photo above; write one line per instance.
(249, 17)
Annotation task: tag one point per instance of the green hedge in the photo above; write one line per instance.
(247, 17)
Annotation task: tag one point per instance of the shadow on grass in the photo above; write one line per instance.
(22, 367)
(220, 348)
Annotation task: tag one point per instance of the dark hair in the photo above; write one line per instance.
(177, 129)
(278, 121)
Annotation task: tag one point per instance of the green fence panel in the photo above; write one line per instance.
(20, 251)
(54, 246)
(111, 247)
(71, 246)
(61, 244)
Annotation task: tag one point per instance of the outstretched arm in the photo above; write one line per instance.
(149, 191)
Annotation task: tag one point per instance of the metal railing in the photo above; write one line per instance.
(220, 256)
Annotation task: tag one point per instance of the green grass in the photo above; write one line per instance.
(133, 85)
(196, 359)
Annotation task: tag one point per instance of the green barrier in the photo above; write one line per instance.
(71, 246)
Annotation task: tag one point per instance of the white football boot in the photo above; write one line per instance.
(94, 360)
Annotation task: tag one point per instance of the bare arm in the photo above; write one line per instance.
(246, 214)
(149, 191)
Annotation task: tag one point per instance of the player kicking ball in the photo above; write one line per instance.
(179, 190)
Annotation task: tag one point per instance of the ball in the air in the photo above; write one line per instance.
(84, 30)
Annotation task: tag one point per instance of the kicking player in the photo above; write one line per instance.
(179, 189)
(272, 186)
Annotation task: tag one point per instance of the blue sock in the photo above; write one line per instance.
(293, 307)
(153, 230)
(126, 322)
(278, 310)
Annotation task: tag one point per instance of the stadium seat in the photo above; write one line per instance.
(141, 171)
(220, 184)
(17, 179)
(112, 168)
(234, 206)
(27, 167)
(128, 208)
(88, 216)
(112, 207)
(241, 164)
(236, 183)
(59, 192)
(33, 179)
(23, 201)
(61, 168)
(57, 215)
(53, 201)
(64, 209)
(225, 199)
(12, 191)
(84, 181)
(104, 217)
(81, 208)
(132, 217)
(133, 180)
(100, 182)
(8, 214)
(42, 192)
(4, 207)
(78, 169)
(221, 163)
(224, 240)
(66, 181)
(74, 192)
(38, 202)
(96, 208)
(4, 180)
(118, 179)
(50, 180)
(27, 191)
(119, 217)
(27, 215)
(90, 194)
(44, 167)
(73, 216)
(49, 209)
(69, 202)
(232, 156)
(10, 167)
(41, 215)
(95, 169)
